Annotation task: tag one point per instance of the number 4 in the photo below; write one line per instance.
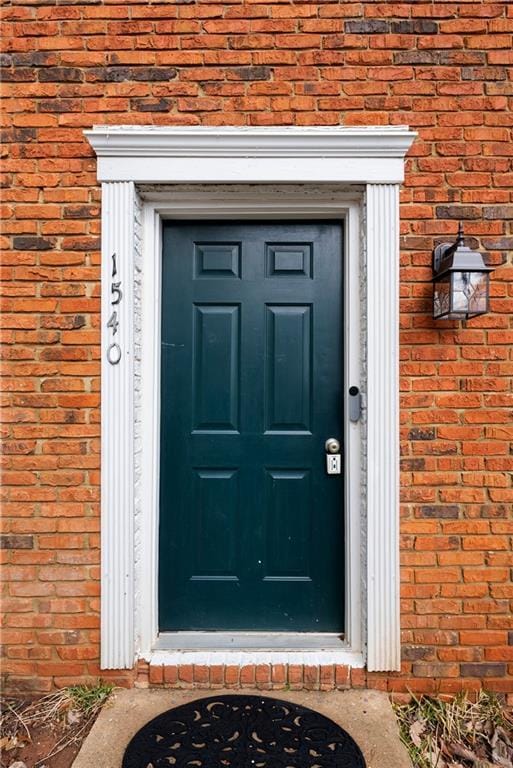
(113, 322)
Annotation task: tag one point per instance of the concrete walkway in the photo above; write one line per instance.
(366, 715)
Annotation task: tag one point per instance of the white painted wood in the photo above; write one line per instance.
(353, 376)
(117, 445)
(311, 157)
(206, 141)
(246, 197)
(255, 170)
(146, 612)
(383, 618)
(147, 154)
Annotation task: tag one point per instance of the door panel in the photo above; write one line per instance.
(216, 367)
(215, 524)
(288, 522)
(251, 526)
(288, 368)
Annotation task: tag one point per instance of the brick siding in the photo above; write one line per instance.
(444, 68)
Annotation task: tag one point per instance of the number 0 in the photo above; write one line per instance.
(114, 353)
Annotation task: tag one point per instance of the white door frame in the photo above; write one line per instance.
(136, 166)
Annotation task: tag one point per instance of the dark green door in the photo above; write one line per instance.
(251, 525)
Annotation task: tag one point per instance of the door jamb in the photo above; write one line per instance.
(212, 201)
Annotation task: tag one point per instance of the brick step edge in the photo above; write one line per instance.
(262, 676)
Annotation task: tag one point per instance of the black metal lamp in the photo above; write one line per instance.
(461, 281)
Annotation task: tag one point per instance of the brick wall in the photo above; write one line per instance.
(445, 69)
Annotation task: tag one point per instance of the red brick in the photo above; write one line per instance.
(256, 64)
(311, 677)
(358, 678)
(217, 676)
(185, 675)
(279, 674)
(231, 675)
(342, 676)
(295, 676)
(263, 675)
(327, 677)
(201, 674)
(247, 676)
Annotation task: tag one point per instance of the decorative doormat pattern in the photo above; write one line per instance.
(242, 732)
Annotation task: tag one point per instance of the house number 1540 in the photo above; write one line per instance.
(114, 350)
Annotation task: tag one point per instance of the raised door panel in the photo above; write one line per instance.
(217, 260)
(288, 512)
(215, 525)
(288, 391)
(287, 260)
(216, 368)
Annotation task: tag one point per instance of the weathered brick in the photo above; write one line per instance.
(13, 541)
(458, 212)
(367, 27)
(414, 27)
(416, 652)
(483, 670)
(421, 669)
(61, 74)
(29, 243)
(121, 74)
(249, 73)
(422, 434)
(150, 105)
(445, 511)
(501, 212)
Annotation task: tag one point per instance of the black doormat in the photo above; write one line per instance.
(242, 732)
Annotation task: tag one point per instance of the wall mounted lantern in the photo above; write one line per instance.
(461, 281)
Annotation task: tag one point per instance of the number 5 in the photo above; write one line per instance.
(116, 290)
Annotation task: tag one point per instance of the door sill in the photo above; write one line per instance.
(245, 641)
(242, 648)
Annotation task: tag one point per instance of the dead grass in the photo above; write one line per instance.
(457, 734)
(67, 714)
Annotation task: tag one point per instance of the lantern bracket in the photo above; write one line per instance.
(457, 257)
(438, 255)
(442, 251)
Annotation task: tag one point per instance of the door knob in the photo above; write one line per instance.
(332, 445)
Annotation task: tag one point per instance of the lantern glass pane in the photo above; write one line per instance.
(442, 298)
(469, 293)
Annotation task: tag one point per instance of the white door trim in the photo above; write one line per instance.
(130, 228)
(218, 203)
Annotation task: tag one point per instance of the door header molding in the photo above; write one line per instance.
(206, 141)
(146, 154)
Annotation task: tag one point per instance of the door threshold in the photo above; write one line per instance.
(242, 648)
(245, 641)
